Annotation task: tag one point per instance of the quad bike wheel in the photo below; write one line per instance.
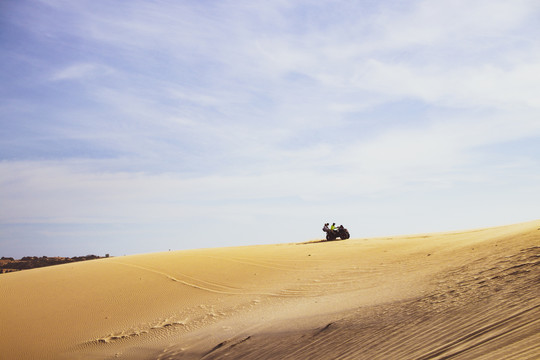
(344, 234)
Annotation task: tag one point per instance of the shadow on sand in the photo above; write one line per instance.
(318, 241)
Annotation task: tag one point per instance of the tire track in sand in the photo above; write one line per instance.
(203, 284)
(212, 287)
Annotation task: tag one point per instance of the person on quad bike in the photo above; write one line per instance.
(325, 228)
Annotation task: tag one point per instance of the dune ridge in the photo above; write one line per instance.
(454, 295)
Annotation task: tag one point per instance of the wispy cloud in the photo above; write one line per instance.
(84, 71)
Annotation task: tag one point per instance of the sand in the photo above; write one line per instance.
(461, 295)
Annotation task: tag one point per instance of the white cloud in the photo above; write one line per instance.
(482, 86)
(440, 24)
(81, 71)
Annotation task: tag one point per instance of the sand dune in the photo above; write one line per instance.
(459, 295)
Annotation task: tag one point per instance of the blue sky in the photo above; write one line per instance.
(141, 126)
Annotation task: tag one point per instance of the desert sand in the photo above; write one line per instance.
(462, 295)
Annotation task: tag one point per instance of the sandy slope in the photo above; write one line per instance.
(464, 295)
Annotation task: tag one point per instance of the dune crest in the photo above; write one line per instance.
(464, 295)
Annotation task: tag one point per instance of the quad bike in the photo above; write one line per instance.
(340, 232)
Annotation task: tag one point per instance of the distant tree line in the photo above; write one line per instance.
(9, 264)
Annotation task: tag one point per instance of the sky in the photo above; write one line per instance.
(143, 126)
